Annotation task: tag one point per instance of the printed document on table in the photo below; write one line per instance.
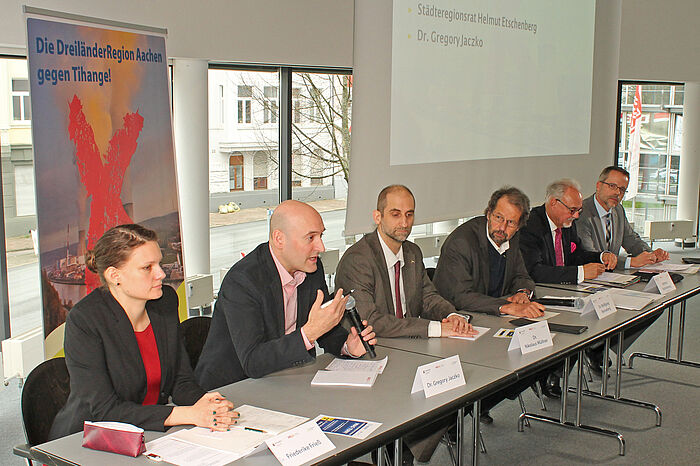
(357, 365)
(632, 300)
(347, 427)
(186, 454)
(344, 378)
(664, 267)
(480, 331)
(614, 279)
(254, 426)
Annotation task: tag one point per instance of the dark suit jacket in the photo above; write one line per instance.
(537, 247)
(592, 232)
(246, 337)
(363, 268)
(107, 376)
(462, 273)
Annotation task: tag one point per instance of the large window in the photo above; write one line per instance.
(248, 149)
(244, 161)
(17, 159)
(659, 148)
(322, 104)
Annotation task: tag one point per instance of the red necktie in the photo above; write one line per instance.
(397, 286)
(558, 250)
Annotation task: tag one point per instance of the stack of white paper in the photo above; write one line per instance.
(357, 365)
(665, 267)
(253, 428)
(632, 300)
(480, 331)
(344, 378)
(614, 279)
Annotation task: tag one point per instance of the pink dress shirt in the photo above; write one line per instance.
(289, 295)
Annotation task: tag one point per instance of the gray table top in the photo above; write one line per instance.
(486, 363)
(389, 401)
(493, 352)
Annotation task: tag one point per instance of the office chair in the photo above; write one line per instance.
(45, 392)
(431, 272)
(194, 333)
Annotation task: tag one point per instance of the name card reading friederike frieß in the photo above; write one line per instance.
(300, 445)
(529, 338)
(602, 303)
(661, 283)
(438, 377)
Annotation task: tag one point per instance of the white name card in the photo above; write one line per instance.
(438, 377)
(529, 338)
(602, 303)
(660, 283)
(300, 444)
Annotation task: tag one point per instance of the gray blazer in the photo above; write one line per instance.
(462, 274)
(592, 231)
(363, 268)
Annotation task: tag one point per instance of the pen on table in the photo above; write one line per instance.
(256, 430)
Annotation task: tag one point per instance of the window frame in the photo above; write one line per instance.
(286, 108)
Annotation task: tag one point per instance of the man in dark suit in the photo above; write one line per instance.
(550, 245)
(603, 226)
(552, 250)
(409, 306)
(480, 267)
(393, 292)
(268, 314)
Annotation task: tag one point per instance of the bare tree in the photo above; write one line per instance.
(321, 125)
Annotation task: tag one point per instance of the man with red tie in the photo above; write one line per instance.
(550, 246)
(392, 289)
(552, 249)
(393, 293)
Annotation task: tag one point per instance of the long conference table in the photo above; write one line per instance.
(487, 365)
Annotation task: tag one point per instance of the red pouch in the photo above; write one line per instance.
(115, 437)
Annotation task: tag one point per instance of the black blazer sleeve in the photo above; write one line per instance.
(254, 332)
(246, 337)
(538, 251)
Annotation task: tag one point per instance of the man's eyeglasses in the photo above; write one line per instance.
(615, 187)
(499, 219)
(572, 210)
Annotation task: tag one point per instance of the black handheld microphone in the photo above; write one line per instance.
(354, 316)
(575, 302)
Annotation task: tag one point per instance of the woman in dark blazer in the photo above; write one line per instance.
(123, 349)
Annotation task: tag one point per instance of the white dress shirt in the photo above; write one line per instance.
(434, 327)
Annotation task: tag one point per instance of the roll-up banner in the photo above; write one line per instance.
(103, 150)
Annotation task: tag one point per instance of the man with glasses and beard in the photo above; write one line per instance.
(481, 269)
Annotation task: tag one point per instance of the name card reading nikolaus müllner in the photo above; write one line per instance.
(661, 282)
(438, 377)
(529, 338)
(300, 444)
(602, 303)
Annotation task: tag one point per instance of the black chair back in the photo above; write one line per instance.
(431, 272)
(45, 392)
(194, 332)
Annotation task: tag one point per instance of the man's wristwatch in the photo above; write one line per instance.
(527, 292)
